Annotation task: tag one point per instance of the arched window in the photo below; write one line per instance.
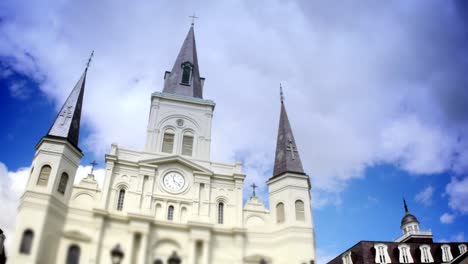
(187, 145)
(462, 248)
(220, 213)
(405, 254)
(26, 242)
(346, 258)
(446, 253)
(168, 142)
(280, 213)
(381, 254)
(170, 213)
(120, 201)
(300, 210)
(63, 183)
(44, 175)
(186, 73)
(158, 261)
(426, 256)
(73, 255)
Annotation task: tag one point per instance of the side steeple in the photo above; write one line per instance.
(287, 157)
(184, 79)
(67, 122)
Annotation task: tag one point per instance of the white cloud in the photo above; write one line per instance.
(459, 237)
(11, 187)
(20, 90)
(447, 218)
(457, 191)
(355, 97)
(425, 196)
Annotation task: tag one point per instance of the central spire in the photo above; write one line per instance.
(287, 156)
(184, 79)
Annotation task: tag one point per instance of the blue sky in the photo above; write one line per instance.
(376, 93)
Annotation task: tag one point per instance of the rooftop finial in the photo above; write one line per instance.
(281, 93)
(89, 60)
(94, 163)
(253, 187)
(193, 17)
(406, 206)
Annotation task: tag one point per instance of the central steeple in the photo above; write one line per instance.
(184, 79)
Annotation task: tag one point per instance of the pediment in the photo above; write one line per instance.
(177, 159)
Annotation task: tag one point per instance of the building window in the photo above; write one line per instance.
(63, 183)
(158, 261)
(168, 143)
(186, 73)
(44, 175)
(280, 213)
(73, 255)
(120, 201)
(300, 210)
(426, 256)
(347, 258)
(26, 242)
(405, 254)
(446, 254)
(220, 213)
(462, 248)
(381, 254)
(170, 213)
(187, 145)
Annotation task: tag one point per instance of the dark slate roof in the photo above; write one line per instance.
(67, 122)
(287, 157)
(408, 218)
(364, 253)
(187, 53)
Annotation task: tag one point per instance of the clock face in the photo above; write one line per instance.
(174, 181)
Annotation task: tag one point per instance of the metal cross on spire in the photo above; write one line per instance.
(193, 17)
(89, 60)
(94, 163)
(253, 187)
(281, 93)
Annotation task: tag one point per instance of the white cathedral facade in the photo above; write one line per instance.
(169, 200)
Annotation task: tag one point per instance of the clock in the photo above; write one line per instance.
(174, 181)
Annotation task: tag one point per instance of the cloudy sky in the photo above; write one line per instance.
(376, 92)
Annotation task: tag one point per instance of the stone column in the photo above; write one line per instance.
(206, 252)
(110, 164)
(142, 257)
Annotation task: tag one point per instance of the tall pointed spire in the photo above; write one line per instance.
(184, 79)
(287, 157)
(67, 122)
(406, 206)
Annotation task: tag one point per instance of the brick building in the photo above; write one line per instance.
(414, 246)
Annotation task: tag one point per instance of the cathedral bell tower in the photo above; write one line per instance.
(289, 193)
(180, 119)
(44, 203)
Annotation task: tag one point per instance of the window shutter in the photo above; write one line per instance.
(44, 175)
(280, 213)
(300, 216)
(168, 143)
(187, 145)
(63, 183)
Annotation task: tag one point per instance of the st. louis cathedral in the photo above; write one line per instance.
(168, 203)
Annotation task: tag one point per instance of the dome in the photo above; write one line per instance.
(408, 218)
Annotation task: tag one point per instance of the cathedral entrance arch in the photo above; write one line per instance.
(163, 250)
